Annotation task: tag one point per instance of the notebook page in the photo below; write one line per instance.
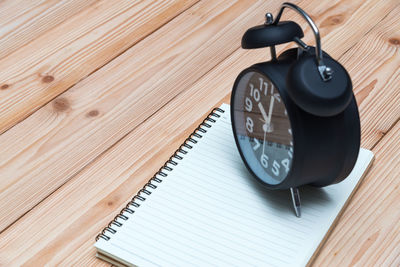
(209, 211)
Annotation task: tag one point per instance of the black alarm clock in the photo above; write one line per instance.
(295, 118)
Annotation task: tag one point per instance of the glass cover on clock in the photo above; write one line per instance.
(263, 128)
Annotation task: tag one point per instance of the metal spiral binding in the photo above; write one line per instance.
(146, 190)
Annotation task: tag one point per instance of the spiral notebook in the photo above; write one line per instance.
(204, 209)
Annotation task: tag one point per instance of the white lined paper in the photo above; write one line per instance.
(209, 211)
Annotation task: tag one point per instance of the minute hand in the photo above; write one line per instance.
(271, 106)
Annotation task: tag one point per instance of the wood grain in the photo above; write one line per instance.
(61, 228)
(69, 132)
(23, 21)
(73, 129)
(65, 54)
(368, 233)
(375, 70)
(110, 173)
(93, 196)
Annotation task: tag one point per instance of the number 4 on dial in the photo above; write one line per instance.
(285, 164)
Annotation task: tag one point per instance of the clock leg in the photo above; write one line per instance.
(294, 191)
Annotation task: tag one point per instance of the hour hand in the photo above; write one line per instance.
(267, 127)
(263, 113)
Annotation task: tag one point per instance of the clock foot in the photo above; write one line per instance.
(294, 191)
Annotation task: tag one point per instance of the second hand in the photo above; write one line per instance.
(265, 133)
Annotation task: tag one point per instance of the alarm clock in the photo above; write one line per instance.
(295, 118)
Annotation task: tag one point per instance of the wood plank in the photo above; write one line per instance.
(67, 53)
(85, 204)
(46, 127)
(373, 65)
(368, 234)
(69, 132)
(93, 200)
(23, 21)
(375, 69)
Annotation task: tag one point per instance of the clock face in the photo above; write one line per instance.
(262, 128)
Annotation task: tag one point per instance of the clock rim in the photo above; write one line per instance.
(312, 135)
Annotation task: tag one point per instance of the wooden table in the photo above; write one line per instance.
(95, 95)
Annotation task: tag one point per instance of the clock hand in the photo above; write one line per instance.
(265, 133)
(265, 127)
(263, 113)
(271, 106)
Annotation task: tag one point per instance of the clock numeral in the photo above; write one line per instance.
(265, 89)
(255, 93)
(249, 104)
(257, 145)
(285, 164)
(264, 160)
(277, 97)
(290, 152)
(261, 83)
(275, 168)
(249, 124)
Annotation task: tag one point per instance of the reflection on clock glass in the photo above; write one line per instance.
(263, 128)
